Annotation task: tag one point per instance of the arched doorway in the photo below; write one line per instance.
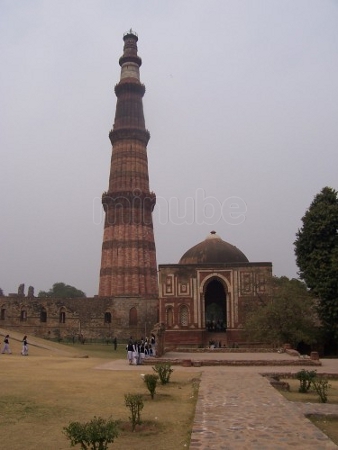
(215, 306)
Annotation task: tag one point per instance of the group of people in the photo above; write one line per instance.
(137, 351)
(6, 348)
(212, 325)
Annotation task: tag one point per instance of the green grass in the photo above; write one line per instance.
(328, 424)
(97, 350)
(310, 396)
(44, 392)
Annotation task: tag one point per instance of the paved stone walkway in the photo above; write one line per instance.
(241, 410)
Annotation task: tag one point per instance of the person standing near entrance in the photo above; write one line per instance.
(115, 343)
(153, 344)
(6, 348)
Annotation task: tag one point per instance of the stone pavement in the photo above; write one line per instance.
(241, 410)
(238, 409)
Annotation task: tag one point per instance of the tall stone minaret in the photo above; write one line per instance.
(128, 264)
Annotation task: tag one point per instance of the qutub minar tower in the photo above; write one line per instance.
(128, 264)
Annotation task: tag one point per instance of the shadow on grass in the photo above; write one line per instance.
(145, 428)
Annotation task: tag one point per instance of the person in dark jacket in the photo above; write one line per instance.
(130, 351)
(6, 348)
(24, 351)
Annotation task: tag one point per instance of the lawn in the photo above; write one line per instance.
(328, 424)
(44, 392)
(311, 396)
(99, 350)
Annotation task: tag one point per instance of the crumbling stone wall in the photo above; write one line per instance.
(65, 318)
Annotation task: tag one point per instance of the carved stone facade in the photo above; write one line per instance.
(128, 263)
(201, 299)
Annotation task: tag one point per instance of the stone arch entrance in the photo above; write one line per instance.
(215, 296)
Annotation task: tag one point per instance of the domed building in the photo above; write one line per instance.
(204, 297)
(213, 250)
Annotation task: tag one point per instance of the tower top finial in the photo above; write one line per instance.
(130, 32)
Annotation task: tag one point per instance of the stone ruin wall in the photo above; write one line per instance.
(82, 316)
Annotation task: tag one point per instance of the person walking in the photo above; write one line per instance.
(6, 348)
(130, 351)
(115, 343)
(135, 353)
(24, 351)
(141, 352)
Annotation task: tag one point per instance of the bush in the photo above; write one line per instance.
(164, 371)
(151, 382)
(135, 403)
(321, 386)
(93, 435)
(305, 378)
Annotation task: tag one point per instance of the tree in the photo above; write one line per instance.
(135, 404)
(93, 435)
(151, 382)
(62, 290)
(287, 316)
(316, 249)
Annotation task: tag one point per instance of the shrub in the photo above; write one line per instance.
(151, 382)
(135, 403)
(164, 371)
(305, 378)
(93, 435)
(321, 386)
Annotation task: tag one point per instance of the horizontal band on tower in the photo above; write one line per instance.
(127, 271)
(138, 244)
(132, 152)
(134, 198)
(129, 133)
(130, 58)
(129, 86)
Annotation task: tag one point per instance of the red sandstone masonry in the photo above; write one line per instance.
(128, 267)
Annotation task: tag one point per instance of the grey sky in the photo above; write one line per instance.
(241, 102)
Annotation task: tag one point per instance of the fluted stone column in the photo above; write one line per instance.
(128, 263)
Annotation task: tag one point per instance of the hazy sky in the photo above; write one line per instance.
(242, 106)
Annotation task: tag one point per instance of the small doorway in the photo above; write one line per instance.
(215, 306)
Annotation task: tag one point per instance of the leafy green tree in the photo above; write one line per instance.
(135, 404)
(151, 382)
(321, 387)
(93, 435)
(164, 371)
(316, 249)
(62, 290)
(286, 316)
(305, 378)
